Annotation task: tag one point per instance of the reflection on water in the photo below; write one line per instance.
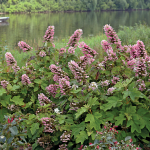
(31, 27)
(4, 23)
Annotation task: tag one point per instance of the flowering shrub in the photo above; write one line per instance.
(64, 98)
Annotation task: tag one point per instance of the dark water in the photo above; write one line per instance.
(31, 27)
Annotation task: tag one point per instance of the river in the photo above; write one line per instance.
(31, 27)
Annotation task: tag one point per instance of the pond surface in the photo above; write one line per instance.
(31, 27)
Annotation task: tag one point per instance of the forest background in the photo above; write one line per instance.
(12, 6)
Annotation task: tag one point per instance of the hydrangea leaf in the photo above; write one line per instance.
(17, 100)
(81, 137)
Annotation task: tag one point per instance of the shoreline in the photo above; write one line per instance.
(73, 11)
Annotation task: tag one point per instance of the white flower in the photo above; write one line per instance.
(93, 85)
(100, 65)
(74, 87)
(2, 137)
(56, 110)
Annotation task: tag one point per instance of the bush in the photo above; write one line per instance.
(64, 98)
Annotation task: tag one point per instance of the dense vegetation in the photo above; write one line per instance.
(69, 99)
(71, 5)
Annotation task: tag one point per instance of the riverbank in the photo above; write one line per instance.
(71, 6)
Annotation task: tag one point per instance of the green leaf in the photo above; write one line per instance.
(81, 111)
(81, 137)
(120, 119)
(31, 116)
(112, 102)
(94, 120)
(2, 91)
(130, 111)
(3, 112)
(13, 130)
(135, 127)
(15, 87)
(5, 100)
(76, 128)
(93, 101)
(17, 100)
(36, 89)
(38, 81)
(134, 93)
(124, 83)
(34, 127)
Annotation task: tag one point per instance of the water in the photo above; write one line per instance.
(31, 27)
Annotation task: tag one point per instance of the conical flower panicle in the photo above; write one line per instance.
(25, 79)
(140, 67)
(74, 39)
(87, 51)
(24, 46)
(105, 45)
(65, 137)
(112, 36)
(10, 59)
(15, 68)
(59, 73)
(48, 124)
(77, 71)
(51, 89)
(4, 84)
(64, 86)
(48, 37)
(71, 50)
(43, 100)
(133, 51)
(84, 61)
(141, 52)
(42, 54)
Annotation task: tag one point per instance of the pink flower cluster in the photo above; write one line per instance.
(77, 71)
(48, 124)
(42, 54)
(51, 89)
(49, 34)
(87, 51)
(62, 50)
(71, 50)
(15, 68)
(84, 61)
(115, 80)
(141, 85)
(58, 73)
(141, 52)
(140, 67)
(43, 100)
(105, 45)
(65, 137)
(110, 90)
(64, 86)
(105, 83)
(25, 79)
(12, 62)
(74, 39)
(25, 47)
(111, 55)
(10, 59)
(63, 147)
(112, 36)
(4, 84)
